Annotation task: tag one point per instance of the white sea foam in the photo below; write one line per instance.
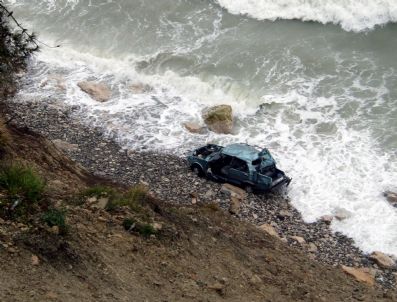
(343, 169)
(331, 154)
(352, 15)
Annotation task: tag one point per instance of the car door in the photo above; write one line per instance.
(238, 172)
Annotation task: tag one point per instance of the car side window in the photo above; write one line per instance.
(240, 165)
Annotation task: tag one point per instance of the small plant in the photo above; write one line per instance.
(133, 199)
(4, 135)
(144, 229)
(138, 193)
(99, 191)
(212, 206)
(128, 223)
(56, 217)
(22, 181)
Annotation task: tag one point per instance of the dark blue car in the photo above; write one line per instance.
(238, 164)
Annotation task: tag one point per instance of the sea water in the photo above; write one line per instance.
(313, 81)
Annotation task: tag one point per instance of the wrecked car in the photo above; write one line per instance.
(239, 164)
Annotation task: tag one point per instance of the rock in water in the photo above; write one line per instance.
(140, 88)
(342, 214)
(194, 128)
(327, 219)
(219, 119)
(382, 260)
(98, 91)
(391, 197)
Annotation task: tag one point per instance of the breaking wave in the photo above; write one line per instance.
(324, 104)
(351, 15)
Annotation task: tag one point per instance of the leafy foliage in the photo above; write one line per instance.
(99, 191)
(128, 223)
(56, 217)
(144, 229)
(19, 180)
(16, 46)
(133, 198)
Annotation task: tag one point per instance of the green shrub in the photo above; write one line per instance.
(99, 191)
(144, 229)
(133, 199)
(212, 206)
(22, 181)
(16, 46)
(55, 217)
(128, 223)
(138, 194)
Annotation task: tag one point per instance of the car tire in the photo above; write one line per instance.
(197, 170)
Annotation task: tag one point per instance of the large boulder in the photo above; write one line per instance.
(382, 260)
(359, 274)
(219, 119)
(267, 228)
(98, 91)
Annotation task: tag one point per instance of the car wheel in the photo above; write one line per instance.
(198, 171)
(248, 188)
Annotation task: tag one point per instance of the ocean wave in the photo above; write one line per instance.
(351, 15)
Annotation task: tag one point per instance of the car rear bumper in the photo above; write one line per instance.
(283, 180)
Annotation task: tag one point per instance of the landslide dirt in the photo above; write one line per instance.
(200, 254)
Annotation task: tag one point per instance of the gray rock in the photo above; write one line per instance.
(298, 239)
(194, 128)
(98, 91)
(235, 205)
(233, 191)
(341, 214)
(327, 218)
(269, 229)
(391, 197)
(382, 260)
(219, 119)
(65, 146)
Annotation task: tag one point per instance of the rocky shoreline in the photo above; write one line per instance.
(170, 180)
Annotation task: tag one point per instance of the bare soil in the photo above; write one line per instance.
(201, 253)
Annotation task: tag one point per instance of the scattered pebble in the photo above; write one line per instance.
(170, 179)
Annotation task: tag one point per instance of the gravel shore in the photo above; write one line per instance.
(170, 179)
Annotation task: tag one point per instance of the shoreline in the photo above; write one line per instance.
(169, 179)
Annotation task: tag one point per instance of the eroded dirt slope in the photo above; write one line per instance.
(199, 253)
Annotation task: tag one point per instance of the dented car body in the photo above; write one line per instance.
(238, 164)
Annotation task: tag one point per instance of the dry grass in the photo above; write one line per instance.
(4, 134)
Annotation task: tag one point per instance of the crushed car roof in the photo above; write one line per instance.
(242, 151)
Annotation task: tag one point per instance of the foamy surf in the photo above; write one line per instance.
(351, 15)
(323, 102)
